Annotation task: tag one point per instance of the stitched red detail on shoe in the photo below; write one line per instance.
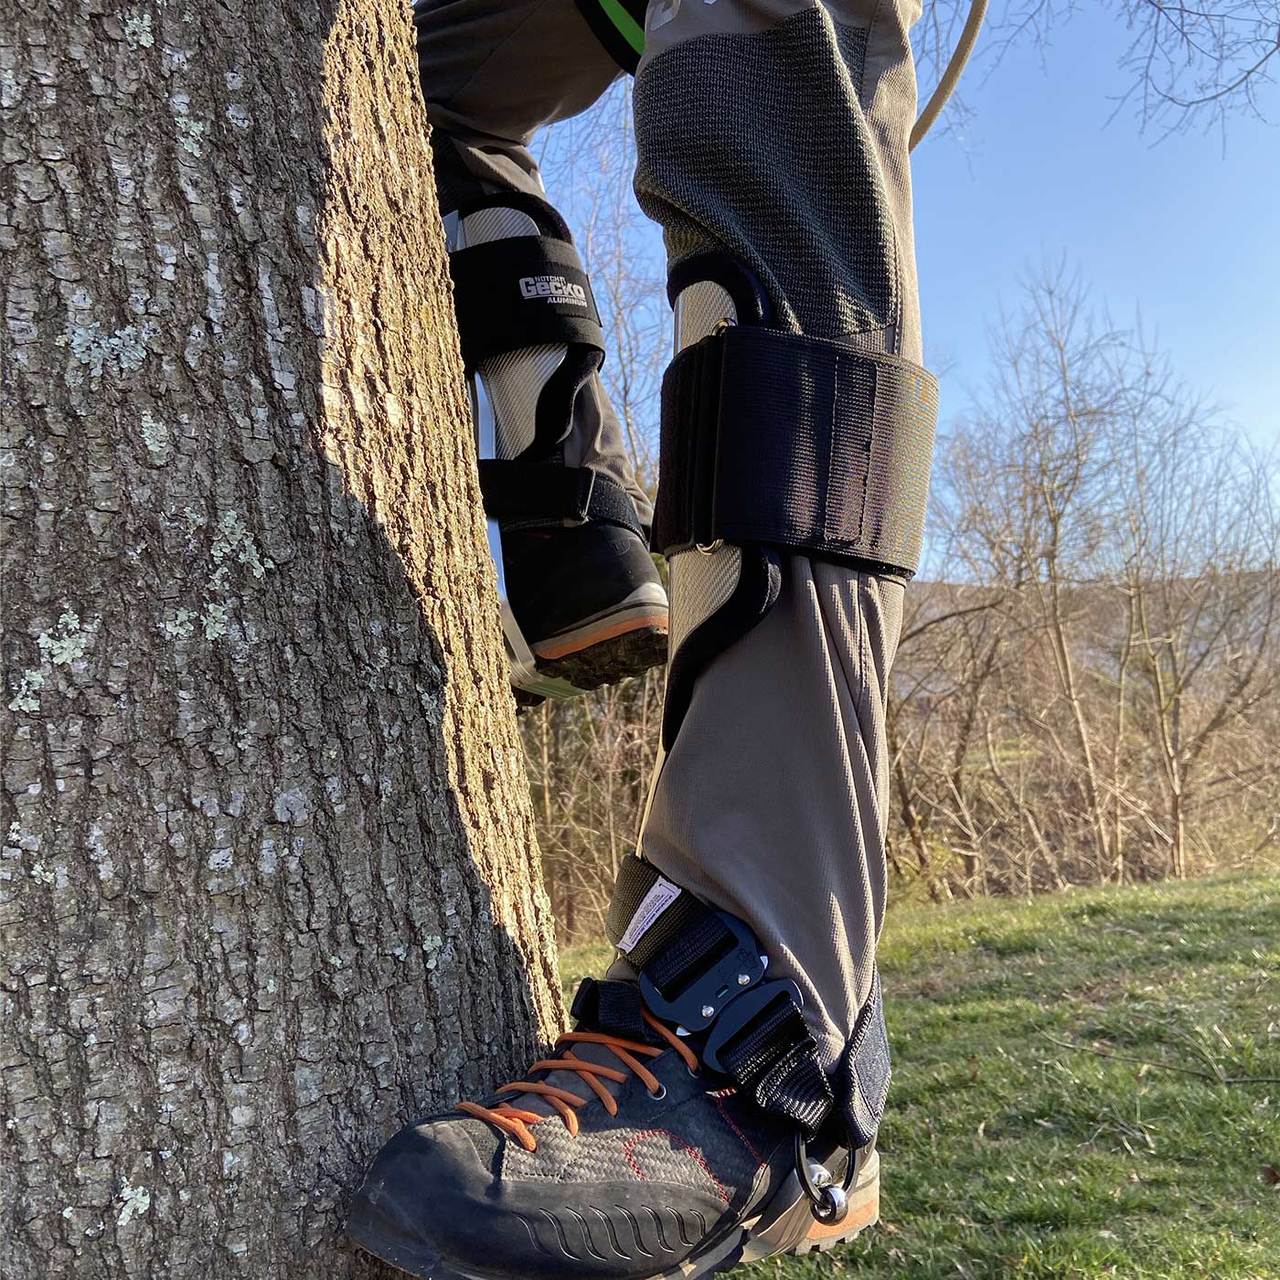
(694, 1154)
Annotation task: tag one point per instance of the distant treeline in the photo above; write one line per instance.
(1088, 689)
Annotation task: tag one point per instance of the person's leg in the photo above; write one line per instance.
(776, 132)
(675, 1133)
(582, 595)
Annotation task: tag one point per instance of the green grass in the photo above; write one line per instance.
(1006, 1154)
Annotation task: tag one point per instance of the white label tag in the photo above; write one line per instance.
(656, 901)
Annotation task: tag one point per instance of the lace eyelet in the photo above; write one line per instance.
(693, 1073)
(662, 1093)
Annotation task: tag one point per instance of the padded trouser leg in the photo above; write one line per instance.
(777, 132)
(772, 801)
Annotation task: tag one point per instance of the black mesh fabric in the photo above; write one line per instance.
(803, 204)
(708, 1145)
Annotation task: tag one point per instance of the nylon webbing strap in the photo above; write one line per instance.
(649, 915)
(701, 943)
(528, 494)
(701, 968)
(524, 291)
(775, 438)
(774, 1060)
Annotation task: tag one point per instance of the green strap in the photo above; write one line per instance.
(628, 28)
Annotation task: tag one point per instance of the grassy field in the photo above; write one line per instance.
(1085, 1085)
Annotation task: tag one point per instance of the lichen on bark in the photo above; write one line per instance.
(268, 883)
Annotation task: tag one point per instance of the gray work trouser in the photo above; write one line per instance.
(775, 130)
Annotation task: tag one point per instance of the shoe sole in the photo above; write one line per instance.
(617, 645)
(739, 1245)
(606, 660)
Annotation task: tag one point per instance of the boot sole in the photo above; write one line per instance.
(737, 1246)
(617, 645)
(632, 649)
(627, 647)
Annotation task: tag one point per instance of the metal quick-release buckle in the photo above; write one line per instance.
(742, 1010)
(698, 1005)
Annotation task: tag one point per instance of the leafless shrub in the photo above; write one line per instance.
(1186, 65)
(1089, 692)
(1093, 697)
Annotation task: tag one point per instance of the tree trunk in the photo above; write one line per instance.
(269, 886)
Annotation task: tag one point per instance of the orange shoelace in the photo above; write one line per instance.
(517, 1122)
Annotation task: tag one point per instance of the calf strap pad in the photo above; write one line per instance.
(523, 291)
(779, 439)
(524, 494)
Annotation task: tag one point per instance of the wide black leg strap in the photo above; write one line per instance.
(523, 291)
(782, 440)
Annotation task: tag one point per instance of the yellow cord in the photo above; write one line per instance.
(950, 77)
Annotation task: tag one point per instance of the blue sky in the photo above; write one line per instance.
(1184, 229)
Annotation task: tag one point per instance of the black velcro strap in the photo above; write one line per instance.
(775, 438)
(866, 1069)
(524, 291)
(526, 494)
(612, 1007)
(773, 1059)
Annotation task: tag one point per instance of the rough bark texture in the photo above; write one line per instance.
(268, 886)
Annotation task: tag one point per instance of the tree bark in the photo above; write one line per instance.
(269, 885)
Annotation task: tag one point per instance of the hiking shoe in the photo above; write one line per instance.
(588, 600)
(621, 1157)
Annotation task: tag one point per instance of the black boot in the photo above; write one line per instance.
(589, 602)
(622, 1157)
(583, 604)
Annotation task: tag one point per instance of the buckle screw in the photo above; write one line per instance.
(708, 1010)
(744, 979)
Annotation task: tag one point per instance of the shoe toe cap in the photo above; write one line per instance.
(423, 1188)
(438, 1203)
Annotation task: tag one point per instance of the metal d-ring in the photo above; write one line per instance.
(829, 1202)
